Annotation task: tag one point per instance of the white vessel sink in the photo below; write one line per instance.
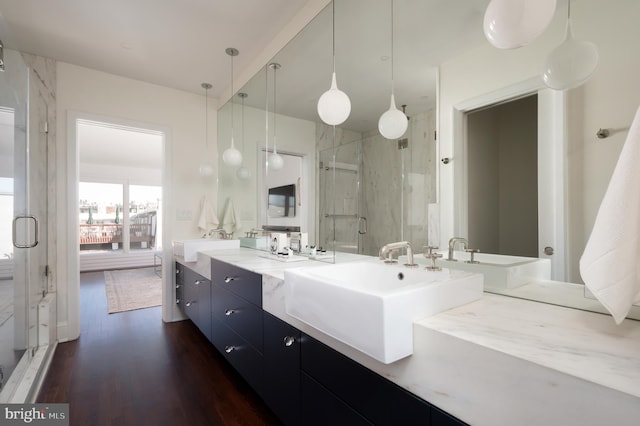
(189, 249)
(500, 271)
(371, 306)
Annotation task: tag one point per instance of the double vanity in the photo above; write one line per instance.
(363, 342)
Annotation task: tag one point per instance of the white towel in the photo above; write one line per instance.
(610, 264)
(207, 219)
(229, 223)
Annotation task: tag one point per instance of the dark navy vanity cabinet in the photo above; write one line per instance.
(196, 293)
(302, 380)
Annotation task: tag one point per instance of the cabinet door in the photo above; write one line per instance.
(245, 284)
(282, 369)
(204, 306)
(321, 407)
(179, 285)
(197, 300)
(382, 402)
(242, 356)
(242, 316)
(190, 293)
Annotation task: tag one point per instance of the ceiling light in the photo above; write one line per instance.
(275, 160)
(393, 123)
(571, 63)
(206, 169)
(334, 105)
(513, 23)
(231, 156)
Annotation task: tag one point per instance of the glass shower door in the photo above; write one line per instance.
(23, 194)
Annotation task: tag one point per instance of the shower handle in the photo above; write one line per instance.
(362, 225)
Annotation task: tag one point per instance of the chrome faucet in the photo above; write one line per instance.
(452, 245)
(388, 249)
(221, 232)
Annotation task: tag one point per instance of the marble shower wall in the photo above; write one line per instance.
(392, 187)
(42, 101)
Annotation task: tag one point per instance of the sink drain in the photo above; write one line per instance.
(400, 276)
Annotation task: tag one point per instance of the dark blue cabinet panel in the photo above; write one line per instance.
(282, 369)
(237, 313)
(245, 284)
(320, 407)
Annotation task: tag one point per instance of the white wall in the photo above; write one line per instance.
(90, 92)
(609, 100)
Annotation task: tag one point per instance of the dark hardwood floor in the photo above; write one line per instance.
(130, 368)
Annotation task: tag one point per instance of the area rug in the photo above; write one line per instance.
(131, 289)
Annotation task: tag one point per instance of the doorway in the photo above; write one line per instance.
(551, 131)
(502, 177)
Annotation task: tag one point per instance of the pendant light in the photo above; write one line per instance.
(571, 63)
(393, 123)
(231, 156)
(275, 160)
(243, 173)
(206, 169)
(334, 105)
(509, 24)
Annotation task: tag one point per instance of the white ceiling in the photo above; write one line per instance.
(181, 43)
(173, 43)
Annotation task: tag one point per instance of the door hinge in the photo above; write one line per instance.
(45, 127)
(435, 135)
(47, 271)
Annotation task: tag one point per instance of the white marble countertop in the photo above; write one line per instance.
(500, 360)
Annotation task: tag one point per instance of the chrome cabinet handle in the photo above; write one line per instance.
(229, 312)
(197, 282)
(178, 301)
(190, 303)
(229, 349)
(228, 279)
(289, 341)
(178, 286)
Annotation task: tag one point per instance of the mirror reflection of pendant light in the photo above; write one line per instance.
(393, 123)
(206, 169)
(509, 24)
(571, 63)
(243, 173)
(275, 160)
(334, 105)
(231, 156)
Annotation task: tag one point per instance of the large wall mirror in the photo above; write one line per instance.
(368, 191)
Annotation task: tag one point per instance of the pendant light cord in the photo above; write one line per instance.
(232, 94)
(266, 117)
(392, 83)
(206, 119)
(275, 91)
(333, 33)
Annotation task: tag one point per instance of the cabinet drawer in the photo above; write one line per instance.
(245, 284)
(320, 407)
(362, 389)
(238, 314)
(244, 358)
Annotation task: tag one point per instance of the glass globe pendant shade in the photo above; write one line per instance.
(334, 105)
(275, 161)
(509, 24)
(231, 156)
(206, 170)
(393, 123)
(570, 64)
(243, 173)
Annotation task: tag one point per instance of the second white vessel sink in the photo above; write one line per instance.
(189, 249)
(501, 271)
(371, 306)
